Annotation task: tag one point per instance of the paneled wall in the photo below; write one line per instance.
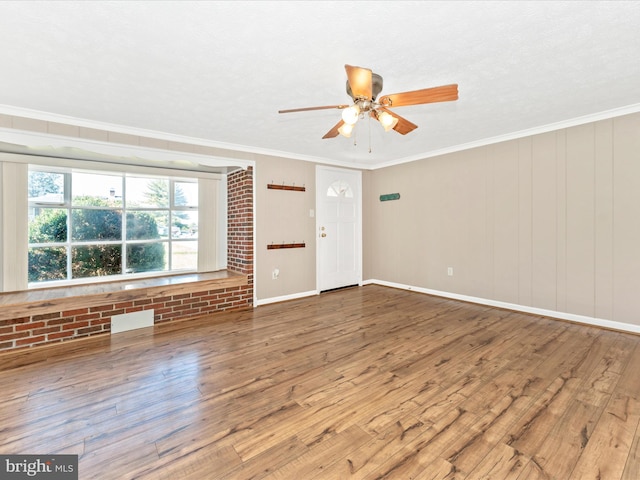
(550, 221)
(284, 216)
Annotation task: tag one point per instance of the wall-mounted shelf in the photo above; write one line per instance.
(293, 188)
(276, 246)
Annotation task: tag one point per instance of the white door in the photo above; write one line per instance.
(338, 228)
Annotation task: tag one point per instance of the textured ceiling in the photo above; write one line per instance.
(220, 71)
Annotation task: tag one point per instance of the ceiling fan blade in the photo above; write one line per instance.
(359, 80)
(306, 109)
(334, 131)
(403, 126)
(445, 93)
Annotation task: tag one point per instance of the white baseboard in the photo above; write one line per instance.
(284, 298)
(593, 321)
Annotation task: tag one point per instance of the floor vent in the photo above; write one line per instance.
(131, 321)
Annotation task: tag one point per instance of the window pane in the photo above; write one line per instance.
(91, 229)
(96, 189)
(147, 192)
(340, 188)
(147, 257)
(184, 255)
(47, 225)
(46, 187)
(96, 260)
(184, 224)
(185, 194)
(143, 225)
(48, 263)
(91, 225)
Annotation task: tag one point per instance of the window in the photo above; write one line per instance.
(86, 224)
(340, 188)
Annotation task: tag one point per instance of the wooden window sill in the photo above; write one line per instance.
(46, 300)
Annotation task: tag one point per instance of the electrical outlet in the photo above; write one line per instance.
(450, 271)
(275, 274)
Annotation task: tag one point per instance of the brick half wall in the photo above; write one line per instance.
(39, 329)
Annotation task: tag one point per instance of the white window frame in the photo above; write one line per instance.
(69, 207)
(212, 240)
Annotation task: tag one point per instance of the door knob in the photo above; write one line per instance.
(323, 235)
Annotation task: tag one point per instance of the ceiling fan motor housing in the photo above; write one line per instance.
(376, 87)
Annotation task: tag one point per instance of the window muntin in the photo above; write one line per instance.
(84, 225)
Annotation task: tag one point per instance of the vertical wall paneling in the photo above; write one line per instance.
(561, 220)
(433, 191)
(451, 222)
(285, 216)
(603, 239)
(480, 226)
(525, 221)
(580, 217)
(544, 221)
(626, 219)
(550, 221)
(505, 195)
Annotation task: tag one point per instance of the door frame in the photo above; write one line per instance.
(319, 195)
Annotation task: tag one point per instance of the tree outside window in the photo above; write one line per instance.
(96, 235)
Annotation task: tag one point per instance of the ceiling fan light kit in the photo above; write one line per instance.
(345, 130)
(363, 86)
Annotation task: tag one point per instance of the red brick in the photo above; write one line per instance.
(42, 331)
(30, 340)
(101, 321)
(73, 313)
(74, 325)
(53, 336)
(102, 308)
(60, 321)
(46, 316)
(14, 336)
(199, 304)
(181, 307)
(89, 330)
(180, 297)
(124, 305)
(14, 321)
(29, 326)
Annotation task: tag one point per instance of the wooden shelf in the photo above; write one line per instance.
(293, 188)
(276, 246)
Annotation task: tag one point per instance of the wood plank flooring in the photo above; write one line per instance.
(362, 383)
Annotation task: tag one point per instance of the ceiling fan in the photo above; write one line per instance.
(363, 86)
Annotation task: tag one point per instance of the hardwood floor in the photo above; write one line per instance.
(363, 383)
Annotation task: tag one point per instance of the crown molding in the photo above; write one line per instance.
(79, 122)
(573, 122)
